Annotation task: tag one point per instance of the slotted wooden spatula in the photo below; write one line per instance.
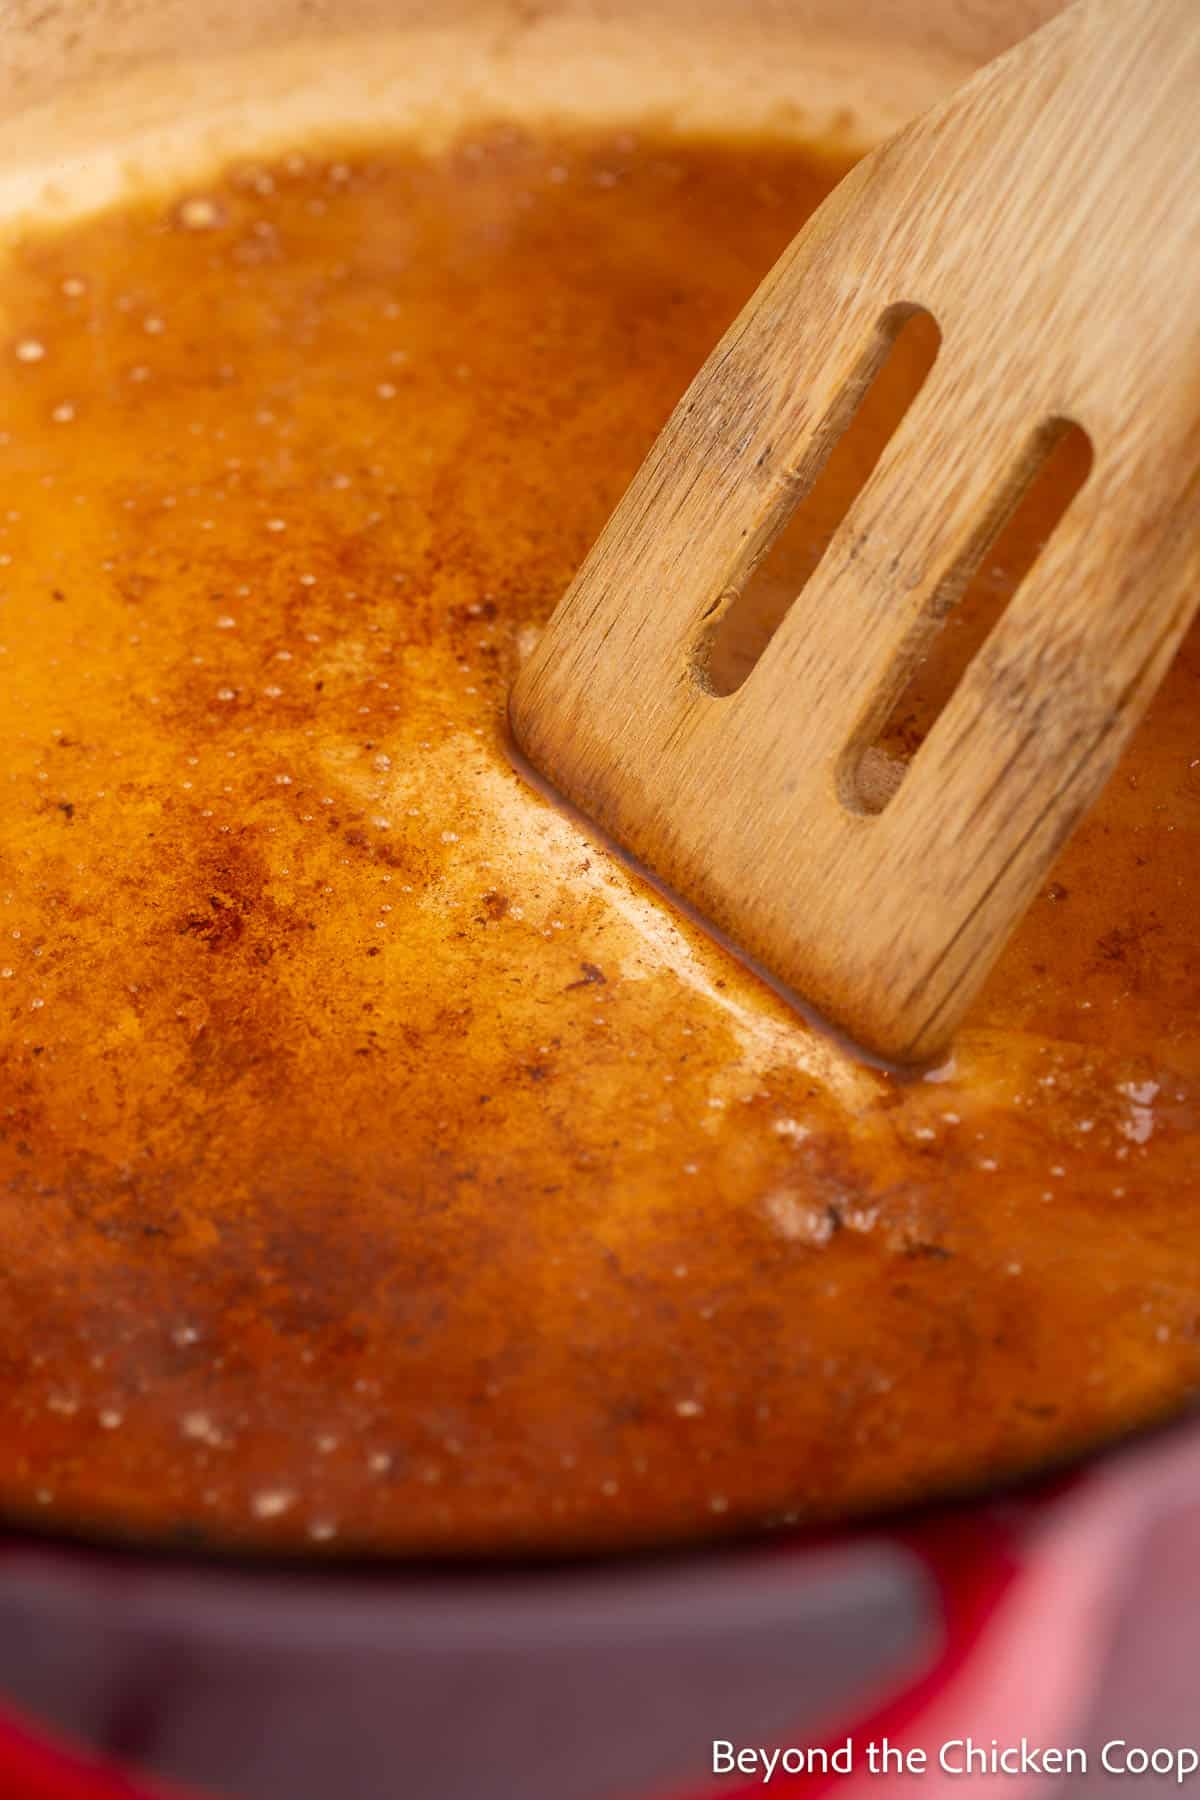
(1048, 217)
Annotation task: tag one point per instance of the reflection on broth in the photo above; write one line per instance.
(381, 1165)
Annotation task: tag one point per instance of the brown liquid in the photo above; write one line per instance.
(381, 1166)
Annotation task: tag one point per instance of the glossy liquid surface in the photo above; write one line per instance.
(381, 1166)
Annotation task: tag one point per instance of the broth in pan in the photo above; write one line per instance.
(382, 1166)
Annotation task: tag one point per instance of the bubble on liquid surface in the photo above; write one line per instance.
(200, 213)
(272, 1503)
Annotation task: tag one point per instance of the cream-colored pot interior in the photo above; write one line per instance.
(98, 94)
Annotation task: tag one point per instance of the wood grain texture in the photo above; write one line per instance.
(1048, 217)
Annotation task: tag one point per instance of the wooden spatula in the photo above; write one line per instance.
(1048, 217)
